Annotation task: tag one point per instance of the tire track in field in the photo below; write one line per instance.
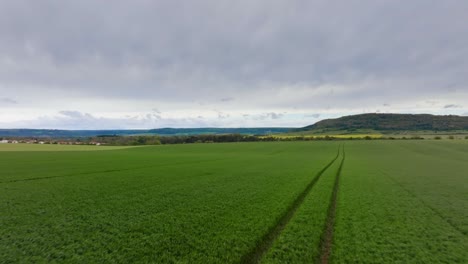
(70, 175)
(325, 246)
(435, 211)
(106, 171)
(256, 253)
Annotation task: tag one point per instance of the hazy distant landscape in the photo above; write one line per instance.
(377, 125)
(54, 133)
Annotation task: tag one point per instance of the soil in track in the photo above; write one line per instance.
(255, 255)
(327, 235)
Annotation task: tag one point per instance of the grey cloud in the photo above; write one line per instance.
(6, 100)
(271, 115)
(227, 99)
(313, 115)
(222, 115)
(67, 119)
(275, 115)
(99, 48)
(75, 114)
(153, 116)
(270, 55)
(452, 106)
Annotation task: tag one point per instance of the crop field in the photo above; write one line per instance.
(360, 201)
(403, 202)
(53, 147)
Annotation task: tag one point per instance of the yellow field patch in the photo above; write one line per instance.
(324, 136)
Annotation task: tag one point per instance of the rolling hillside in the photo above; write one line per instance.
(390, 123)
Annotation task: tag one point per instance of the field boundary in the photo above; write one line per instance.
(255, 255)
(325, 246)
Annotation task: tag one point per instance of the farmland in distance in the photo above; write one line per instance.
(274, 202)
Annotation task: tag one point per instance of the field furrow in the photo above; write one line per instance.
(300, 240)
(255, 255)
(327, 235)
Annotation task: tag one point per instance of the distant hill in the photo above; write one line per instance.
(217, 130)
(391, 123)
(54, 133)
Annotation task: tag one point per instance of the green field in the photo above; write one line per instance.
(53, 147)
(273, 202)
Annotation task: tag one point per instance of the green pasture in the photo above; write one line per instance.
(366, 201)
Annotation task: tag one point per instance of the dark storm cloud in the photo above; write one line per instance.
(266, 54)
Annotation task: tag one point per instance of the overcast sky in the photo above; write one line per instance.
(93, 64)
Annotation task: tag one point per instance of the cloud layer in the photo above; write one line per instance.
(227, 63)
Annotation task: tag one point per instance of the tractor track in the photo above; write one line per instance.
(435, 211)
(107, 171)
(326, 241)
(255, 255)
